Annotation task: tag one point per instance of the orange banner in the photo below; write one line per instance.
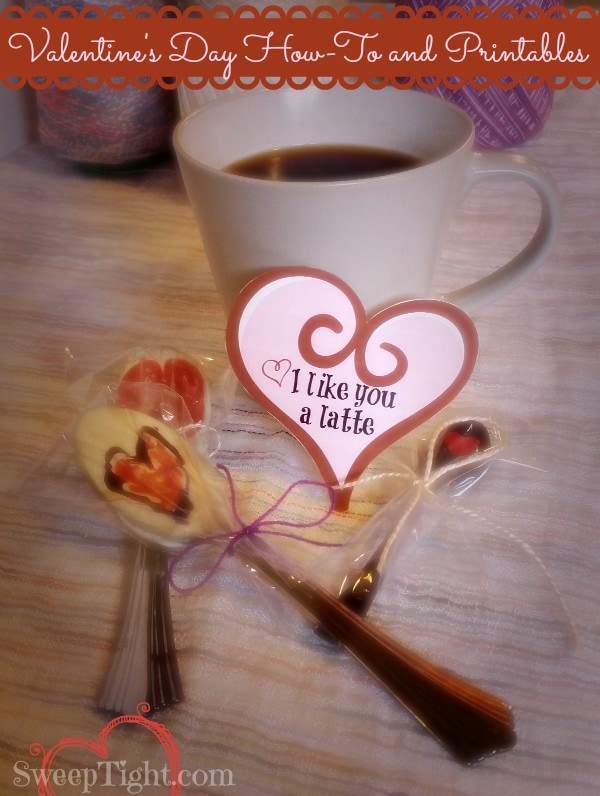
(378, 46)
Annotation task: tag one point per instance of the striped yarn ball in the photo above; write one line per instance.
(502, 117)
(105, 127)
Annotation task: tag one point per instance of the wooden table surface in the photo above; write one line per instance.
(493, 584)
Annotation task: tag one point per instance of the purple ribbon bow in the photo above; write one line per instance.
(261, 525)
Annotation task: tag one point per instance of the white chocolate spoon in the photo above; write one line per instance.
(144, 665)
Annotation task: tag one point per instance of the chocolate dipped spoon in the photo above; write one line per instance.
(144, 666)
(138, 470)
(469, 722)
(458, 442)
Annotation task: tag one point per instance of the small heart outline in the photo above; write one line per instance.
(277, 363)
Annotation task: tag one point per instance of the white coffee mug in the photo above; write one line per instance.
(381, 235)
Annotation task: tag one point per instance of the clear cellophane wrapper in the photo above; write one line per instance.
(456, 570)
(163, 400)
(454, 555)
(158, 387)
(89, 385)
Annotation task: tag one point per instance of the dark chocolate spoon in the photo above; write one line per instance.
(469, 722)
(461, 440)
(164, 687)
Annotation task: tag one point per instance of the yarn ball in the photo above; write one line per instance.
(502, 117)
(104, 127)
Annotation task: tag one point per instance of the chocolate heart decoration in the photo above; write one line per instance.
(155, 475)
(163, 490)
(355, 384)
(185, 393)
(461, 440)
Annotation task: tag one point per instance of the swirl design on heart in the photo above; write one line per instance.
(357, 346)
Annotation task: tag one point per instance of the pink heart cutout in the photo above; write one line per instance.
(355, 384)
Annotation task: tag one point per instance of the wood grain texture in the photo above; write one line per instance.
(101, 264)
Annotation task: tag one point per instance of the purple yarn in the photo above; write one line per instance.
(469, 5)
(502, 117)
(261, 525)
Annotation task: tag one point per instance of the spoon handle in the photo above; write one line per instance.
(144, 665)
(469, 722)
(125, 684)
(164, 682)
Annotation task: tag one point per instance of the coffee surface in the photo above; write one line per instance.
(323, 162)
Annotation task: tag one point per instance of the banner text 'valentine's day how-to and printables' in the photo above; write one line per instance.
(377, 45)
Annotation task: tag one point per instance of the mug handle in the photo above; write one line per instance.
(506, 166)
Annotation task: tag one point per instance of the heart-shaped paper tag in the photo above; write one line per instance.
(344, 384)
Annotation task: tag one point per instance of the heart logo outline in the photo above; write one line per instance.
(365, 328)
(99, 747)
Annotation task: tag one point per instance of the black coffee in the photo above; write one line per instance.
(323, 162)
